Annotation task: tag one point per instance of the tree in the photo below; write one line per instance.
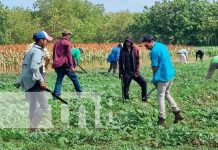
(81, 17)
(22, 26)
(115, 27)
(4, 30)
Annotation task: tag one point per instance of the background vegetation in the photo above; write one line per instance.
(193, 22)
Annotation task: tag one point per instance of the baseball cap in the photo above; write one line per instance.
(66, 32)
(147, 37)
(42, 35)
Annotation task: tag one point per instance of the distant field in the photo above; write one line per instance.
(94, 56)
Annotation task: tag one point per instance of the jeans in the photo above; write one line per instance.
(201, 56)
(36, 96)
(61, 72)
(127, 78)
(163, 92)
(113, 65)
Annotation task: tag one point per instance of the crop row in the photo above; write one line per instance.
(95, 55)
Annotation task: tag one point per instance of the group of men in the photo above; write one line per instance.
(183, 55)
(32, 78)
(163, 72)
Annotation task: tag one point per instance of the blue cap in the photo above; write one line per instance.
(42, 35)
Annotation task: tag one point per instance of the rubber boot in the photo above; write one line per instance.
(160, 121)
(178, 116)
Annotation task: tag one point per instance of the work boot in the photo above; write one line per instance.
(160, 121)
(126, 98)
(178, 116)
(145, 98)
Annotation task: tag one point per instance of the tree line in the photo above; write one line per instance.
(191, 22)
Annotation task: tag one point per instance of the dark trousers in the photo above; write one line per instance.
(127, 78)
(61, 72)
(201, 56)
(113, 65)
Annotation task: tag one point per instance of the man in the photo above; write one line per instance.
(63, 62)
(32, 79)
(113, 58)
(45, 63)
(129, 68)
(213, 67)
(200, 54)
(76, 53)
(183, 55)
(163, 73)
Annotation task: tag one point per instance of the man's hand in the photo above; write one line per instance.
(136, 75)
(120, 76)
(155, 84)
(72, 69)
(43, 85)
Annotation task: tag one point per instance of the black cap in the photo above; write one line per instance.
(147, 38)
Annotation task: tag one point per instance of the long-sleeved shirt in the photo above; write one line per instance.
(46, 54)
(62, 53)
(32, 63)
(76, 55)
(114, 54)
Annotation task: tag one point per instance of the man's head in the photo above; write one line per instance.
(81, 50)
(41, 38)
(128, 42)
(67, 34)
(119, 45)
(148, 41)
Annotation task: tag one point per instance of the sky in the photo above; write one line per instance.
(109, 5)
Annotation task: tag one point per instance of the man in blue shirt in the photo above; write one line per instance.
(163, 73)
(113, 58)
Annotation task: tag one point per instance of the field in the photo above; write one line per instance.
(133, 125)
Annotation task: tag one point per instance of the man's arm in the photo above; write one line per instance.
(34, 66)
(69, 56)
(154, 69)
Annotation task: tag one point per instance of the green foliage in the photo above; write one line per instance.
(21, 24)
(115, 27)
(134, 123)
(192, 22)
(182, 22)
(81, 17)
(4, 30)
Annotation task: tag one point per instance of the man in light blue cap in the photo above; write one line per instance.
(32, 80)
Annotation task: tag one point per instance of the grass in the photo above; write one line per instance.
(134, 123)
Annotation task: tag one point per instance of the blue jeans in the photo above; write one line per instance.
(61, 72)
